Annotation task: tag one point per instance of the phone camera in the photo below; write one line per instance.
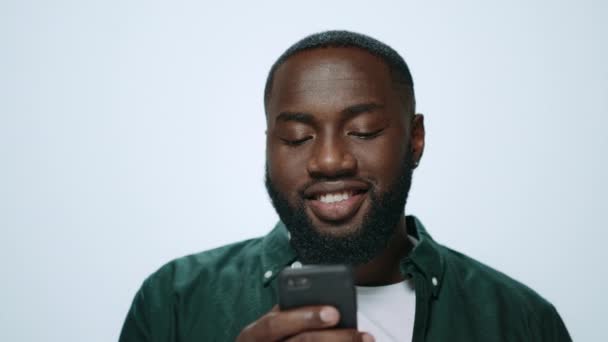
(298, 283)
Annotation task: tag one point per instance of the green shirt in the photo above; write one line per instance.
(213, 295)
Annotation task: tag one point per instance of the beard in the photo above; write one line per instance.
(361, 246)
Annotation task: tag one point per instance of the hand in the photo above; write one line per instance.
(310, 323)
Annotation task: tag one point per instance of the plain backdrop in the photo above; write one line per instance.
(132, 133)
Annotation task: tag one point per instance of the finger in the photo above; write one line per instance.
(276, 326)
(333, 335)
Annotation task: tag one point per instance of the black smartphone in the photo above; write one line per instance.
(320, 285)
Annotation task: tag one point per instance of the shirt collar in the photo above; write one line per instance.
(276, 252)
(425, 258)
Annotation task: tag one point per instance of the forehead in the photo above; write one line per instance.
(330, 76)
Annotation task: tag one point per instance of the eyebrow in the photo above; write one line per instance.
(349, 112)
(360, 108)
(305, 118)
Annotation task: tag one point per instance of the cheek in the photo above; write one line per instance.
(382, 161)
(287, 168)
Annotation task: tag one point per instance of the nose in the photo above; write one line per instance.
(331, 159)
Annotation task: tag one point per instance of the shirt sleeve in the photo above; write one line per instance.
(554, 329)
(135, 327)
(150, 317)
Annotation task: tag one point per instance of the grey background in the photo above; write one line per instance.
(132, 132)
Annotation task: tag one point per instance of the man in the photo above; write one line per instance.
(342, 142)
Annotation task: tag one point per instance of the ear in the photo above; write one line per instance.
(417, 138)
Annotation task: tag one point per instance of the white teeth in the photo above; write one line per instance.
(333, 198)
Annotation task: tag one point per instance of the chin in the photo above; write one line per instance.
(351, 227)
(339, 230)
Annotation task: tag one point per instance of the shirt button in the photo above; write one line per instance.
(296, 264)
(268, 274)
(434, 281)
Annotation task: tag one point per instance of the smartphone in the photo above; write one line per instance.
(320, 285)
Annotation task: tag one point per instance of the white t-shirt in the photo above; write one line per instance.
(387, 312)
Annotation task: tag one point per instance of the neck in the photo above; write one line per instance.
(384, 269)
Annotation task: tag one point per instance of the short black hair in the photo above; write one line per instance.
(399, 70)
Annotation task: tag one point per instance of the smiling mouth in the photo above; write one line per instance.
(337, 206)
(336, 197)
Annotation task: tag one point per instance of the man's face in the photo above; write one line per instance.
(339, 153)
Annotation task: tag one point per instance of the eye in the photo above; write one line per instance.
(296, 142)
(366, 135)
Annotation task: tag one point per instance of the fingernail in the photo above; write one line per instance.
(329, 315)
(367, 338)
